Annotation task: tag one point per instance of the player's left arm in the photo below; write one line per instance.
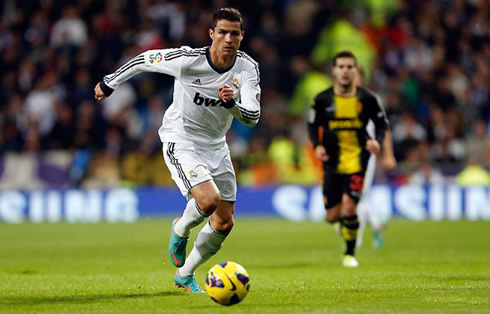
(388, 159)
(380, 120)
(247, 109)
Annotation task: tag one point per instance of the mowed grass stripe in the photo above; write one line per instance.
(429, 267)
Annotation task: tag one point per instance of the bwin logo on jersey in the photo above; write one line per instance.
(201, 100)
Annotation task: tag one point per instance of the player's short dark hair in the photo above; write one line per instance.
(229, 14)
(344, 54)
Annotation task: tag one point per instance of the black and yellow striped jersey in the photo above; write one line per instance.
(344, 121)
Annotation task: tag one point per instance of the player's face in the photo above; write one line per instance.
(345, 71)
(226, 37)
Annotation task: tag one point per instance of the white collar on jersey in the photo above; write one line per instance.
(213, 66)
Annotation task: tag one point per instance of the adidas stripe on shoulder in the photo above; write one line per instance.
(254, 63)
(139, 59)
(184, 52)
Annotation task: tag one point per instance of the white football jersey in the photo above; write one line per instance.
(197, 115)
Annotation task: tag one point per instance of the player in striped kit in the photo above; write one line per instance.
(212, 86)
(337, 129)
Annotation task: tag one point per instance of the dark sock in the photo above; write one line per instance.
(350, 228)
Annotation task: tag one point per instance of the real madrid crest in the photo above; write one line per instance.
(235, 85)
(192, 174)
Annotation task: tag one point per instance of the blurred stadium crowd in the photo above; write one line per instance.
(428, 59)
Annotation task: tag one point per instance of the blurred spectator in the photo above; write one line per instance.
(90, 127)
(480, 96)
(26, 75)
(417, 55)
(123, 97)
(83, 88)
(148, 37)
(450, 148)
(478, 145)
(70, 31)
(406, 133)
(40, 105)
(169, 18)
(428, 60)
(458, 83)
(103, 172)
(298, 17)
(443, 96)
(20, 172)
(13, 122)
(473, 175)
(427, 174)
(63, 131)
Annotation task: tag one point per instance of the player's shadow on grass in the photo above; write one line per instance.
(84, 299)
(282, 266)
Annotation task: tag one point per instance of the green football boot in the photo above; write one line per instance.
(188, 283)
(378, 239)
(177, 247)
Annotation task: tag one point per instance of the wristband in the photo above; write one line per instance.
(106, 89)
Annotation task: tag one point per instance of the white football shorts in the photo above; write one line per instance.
(369, 175)
(190, 166)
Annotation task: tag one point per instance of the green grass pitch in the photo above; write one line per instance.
(424, 267)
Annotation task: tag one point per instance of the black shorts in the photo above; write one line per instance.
(335, 185)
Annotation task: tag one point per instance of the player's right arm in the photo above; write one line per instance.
(166, 61)
(315, 119)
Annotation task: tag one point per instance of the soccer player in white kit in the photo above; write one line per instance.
(367, 214)
(212, 85)
(365, 211)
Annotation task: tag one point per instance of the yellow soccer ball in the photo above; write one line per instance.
(227, 283)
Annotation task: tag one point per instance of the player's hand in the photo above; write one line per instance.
(321, 153)
(389, 162)
(225, 93)
(373, 146)
(99, 94)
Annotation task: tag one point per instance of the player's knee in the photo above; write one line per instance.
(349, 207)
(331, 219)
(333, 213)
(349, 211)
(225, 226)
(209, 203)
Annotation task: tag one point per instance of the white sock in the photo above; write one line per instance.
(363, 216)
(207, 243)
(191, 217)
(375, 220)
